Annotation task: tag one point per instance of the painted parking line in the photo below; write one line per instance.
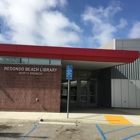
(101, 132)
(30, 132)
(118, 129)
(132, 136)
(117, 120)
(104, 133)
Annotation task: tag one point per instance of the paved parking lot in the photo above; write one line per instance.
(97, 124)
(69, 132)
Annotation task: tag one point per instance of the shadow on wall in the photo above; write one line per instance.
(104, 83)
(117, 74)
(43, 106)
(104, 87)
(6, 93)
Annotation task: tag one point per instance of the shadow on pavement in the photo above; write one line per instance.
(19, 135)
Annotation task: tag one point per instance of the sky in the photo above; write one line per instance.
(75, 23)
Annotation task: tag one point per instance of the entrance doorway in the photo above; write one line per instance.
(82, 92)
(88, 92)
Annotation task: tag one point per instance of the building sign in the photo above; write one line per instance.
(30, 70)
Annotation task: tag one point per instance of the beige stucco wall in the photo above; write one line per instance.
(109, 45)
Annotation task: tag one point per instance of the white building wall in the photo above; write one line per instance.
(138, 93)
(127, 44)
(116, 102)
(125, 93)
(132, 94)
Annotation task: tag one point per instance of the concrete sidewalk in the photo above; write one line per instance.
(92, 118)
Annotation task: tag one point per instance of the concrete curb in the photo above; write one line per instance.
(59, 120)
(76, 121)
(58, 123)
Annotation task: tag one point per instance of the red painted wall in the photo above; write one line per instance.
(19, 92)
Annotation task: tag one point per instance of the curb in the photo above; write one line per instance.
(58, 123)
(59, 120)
(76, 121)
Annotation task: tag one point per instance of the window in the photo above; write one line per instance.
(11, 60)
(37, 61)
(24, 60)
(55, 62)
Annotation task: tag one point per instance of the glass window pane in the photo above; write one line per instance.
(63, 98)
(85, 73)
(84, 99)
(92, 87)
(88, 74)
(73, 99)
(75, 73)
(64, 91)
(83, 87)
(64, 87)
(9, 60)
(39, 61)
(94, 74)
(55, 62)
(24, 60)
(92, 99)
(73, 91)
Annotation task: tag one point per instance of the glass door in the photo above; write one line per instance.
(83, 99)
(92, 92)
(82, 92)
(72, 94)
(64, 91)
(88, 89)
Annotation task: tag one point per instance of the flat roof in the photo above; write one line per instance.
(68, 53)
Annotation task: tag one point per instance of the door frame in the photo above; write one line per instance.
(79, 102)
(88, 93)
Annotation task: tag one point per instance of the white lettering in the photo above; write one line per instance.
(48, 69)
(6, 68)
(14, 68)
(27, 69)
(24, 73)
(36, 73)
(30, 70)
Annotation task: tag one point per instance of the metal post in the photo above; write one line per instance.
(68, 98)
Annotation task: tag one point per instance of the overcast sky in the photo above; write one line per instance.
(76, 23)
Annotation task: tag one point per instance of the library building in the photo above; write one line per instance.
(33, 78)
